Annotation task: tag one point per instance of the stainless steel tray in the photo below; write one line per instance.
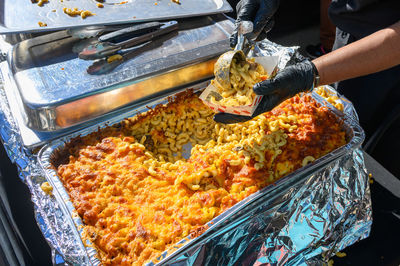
(33, 139)
(22, 15)
(56, 92)
(48, 154)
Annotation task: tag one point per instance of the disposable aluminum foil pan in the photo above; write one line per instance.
(307, 223)
(322, 200)
(23, 16)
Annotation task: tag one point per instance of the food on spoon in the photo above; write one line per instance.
(243, 76)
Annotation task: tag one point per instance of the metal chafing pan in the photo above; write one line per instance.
(23, 15)
(56, 93)
(49, 154)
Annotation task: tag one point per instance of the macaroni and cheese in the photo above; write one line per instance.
(72, 12)
(138, 196)
(243, 76)
(330, 98)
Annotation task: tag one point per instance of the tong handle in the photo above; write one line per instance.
(137, 29)
(240, 42)
(243, 43)
(164, 28)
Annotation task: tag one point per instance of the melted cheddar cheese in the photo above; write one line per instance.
(138, 196)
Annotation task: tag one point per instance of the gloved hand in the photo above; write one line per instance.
(287, 83)
(260, 12)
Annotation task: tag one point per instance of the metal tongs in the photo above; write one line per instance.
(126, 43)
(244, 45)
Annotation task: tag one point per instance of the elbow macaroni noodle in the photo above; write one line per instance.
(73, 12)
(330, 98)
(243, 76)
(138, 196)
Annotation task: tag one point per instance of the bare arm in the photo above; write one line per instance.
(374, 53)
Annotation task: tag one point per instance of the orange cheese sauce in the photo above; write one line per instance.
(136, 205)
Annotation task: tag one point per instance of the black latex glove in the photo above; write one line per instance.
(260, 12)
(287, 83)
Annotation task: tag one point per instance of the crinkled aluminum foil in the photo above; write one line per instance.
(287, 55)
(308, 223)
(304, 219)
(59, 235)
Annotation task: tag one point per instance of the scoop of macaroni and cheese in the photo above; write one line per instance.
(243, 76)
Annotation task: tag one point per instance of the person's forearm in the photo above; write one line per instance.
(374, 53)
